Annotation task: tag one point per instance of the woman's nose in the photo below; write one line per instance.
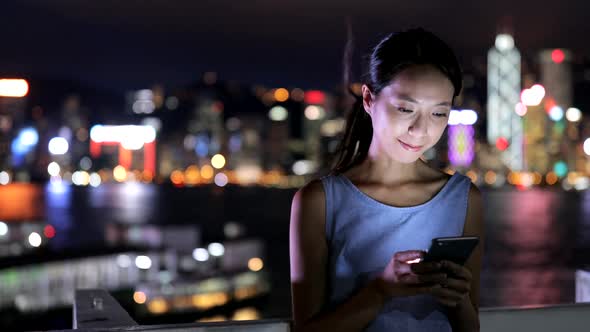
(418, 127)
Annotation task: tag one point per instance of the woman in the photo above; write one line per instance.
(356, 234)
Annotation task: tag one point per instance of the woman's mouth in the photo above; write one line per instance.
(410, 147)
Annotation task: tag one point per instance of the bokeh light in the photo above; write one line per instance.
(143, 262)
(58, 146)
(278, 113)
(53, 168)
(502, 143)
(520, 109)
(560, 168)
(255, 264)
(551, 178)
(3, 228)
(557, 56)
(216, 249)
(177, 177)
(94, 180)
(221, 179)
(587, 146)
(556, 113)
(119, 173)
(281, 94)
(4, 178)
(573, 114)
(207, 172)
(532, 96)
(314, 112)
(49, 231)
(218, 161)
(158, 306)
(139, 297)
(34, 239)
(201, 254)
(13, 88)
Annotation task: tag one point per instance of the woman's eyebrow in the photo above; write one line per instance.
(412, 100)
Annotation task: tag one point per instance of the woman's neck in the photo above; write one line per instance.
(388, 171)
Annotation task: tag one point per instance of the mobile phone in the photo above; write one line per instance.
(454, 249)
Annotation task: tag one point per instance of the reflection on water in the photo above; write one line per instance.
(530, 249)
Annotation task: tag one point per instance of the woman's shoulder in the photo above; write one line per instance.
(311, 193)
(308, 209)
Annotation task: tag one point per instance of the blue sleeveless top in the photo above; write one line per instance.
(363, 234)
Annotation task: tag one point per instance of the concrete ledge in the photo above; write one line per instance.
(96, 308)
(567, 317)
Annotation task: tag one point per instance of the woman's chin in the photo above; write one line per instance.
(406, 158)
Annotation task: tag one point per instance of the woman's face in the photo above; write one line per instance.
(410, 115)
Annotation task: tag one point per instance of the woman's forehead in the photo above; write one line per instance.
(420, 83)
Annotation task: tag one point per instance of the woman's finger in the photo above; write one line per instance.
(408, 255)
(458, 285)
(435, 278)
(456, 269)
(425, 267)
(447, 294)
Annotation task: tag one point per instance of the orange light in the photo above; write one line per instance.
(177, 177)
(472, 175)
(209, 300)
(192, 175)
(147, 176)
(158, 306)
(207, 172)
(537, 178)
(281, 94)
(255, 264)
(13, 87)
(246, 314)
(490, 177)
(139, 297)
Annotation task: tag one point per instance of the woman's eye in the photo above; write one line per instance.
(441, 115)
(404, 110)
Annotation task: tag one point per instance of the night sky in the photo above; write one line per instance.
(125, 44)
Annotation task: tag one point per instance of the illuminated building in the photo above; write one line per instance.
(504, 125)
(556, 76)
(461, 139)
(127, 139)
(314, 116)
(13, 99)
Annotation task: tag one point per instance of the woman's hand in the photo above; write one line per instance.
(456, 286)
(399, 278)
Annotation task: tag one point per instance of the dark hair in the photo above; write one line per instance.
(394, 53)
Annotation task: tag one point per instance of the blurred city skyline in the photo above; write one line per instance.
(129, 45)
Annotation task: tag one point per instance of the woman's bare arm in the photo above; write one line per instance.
(309, 262)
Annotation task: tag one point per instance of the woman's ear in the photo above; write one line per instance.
(368, 98)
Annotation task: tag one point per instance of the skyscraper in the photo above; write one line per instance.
(556, 76)
(504, 125)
